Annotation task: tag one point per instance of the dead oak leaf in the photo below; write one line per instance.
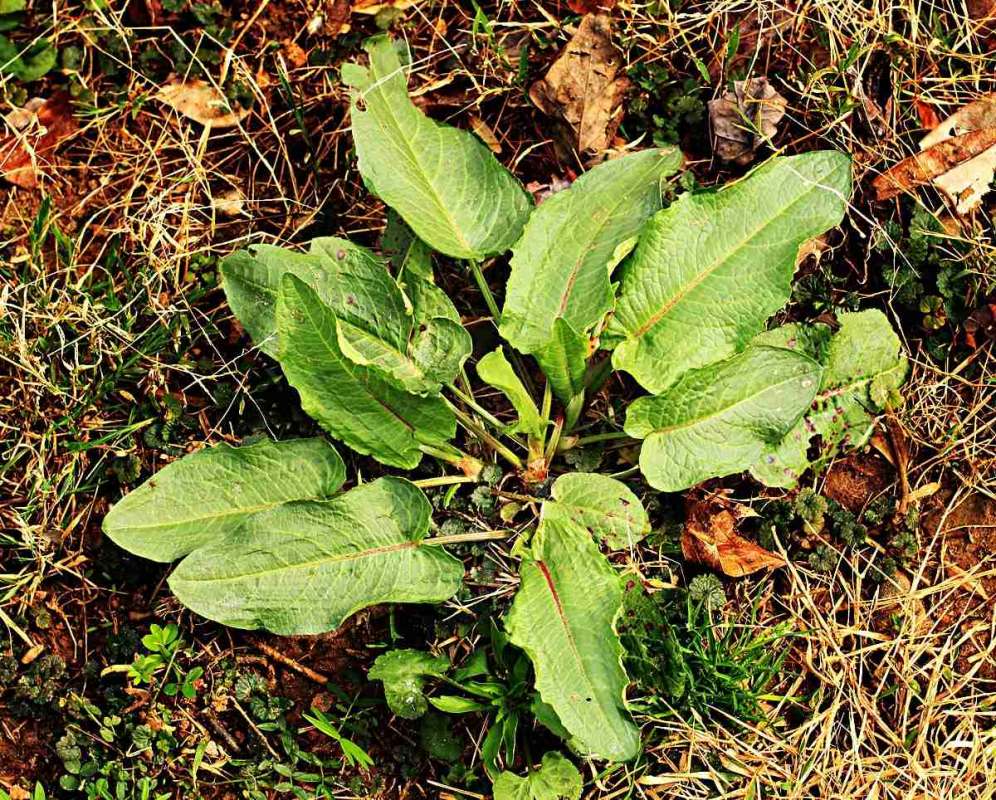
(744, 119)
(710, 537)
(38, 129)
(584, 88)
(202, 102)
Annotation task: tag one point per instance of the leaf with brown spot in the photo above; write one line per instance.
(710, 537)
(584, 88)
(41, 127)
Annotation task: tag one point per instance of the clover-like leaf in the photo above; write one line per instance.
(444, 182)
(606, 507)
(403, 673)
(864, 366)
(561, 266)
(357, 404)
(564, 618)
(712, 267)
(208, 495)
(556, 779)
(305, 567)
(719, 419)
(495, 370)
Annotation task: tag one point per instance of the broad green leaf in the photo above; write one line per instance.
(495, 370)
(563, 617)
(356, 404)
(864, 367)
(563, 360)
(379, 326)
(720, 419)
(444, 182)
(606, 507)
(349, 279)
(561, 266)
(305, 567)
(711, 268)
(208, 495)
(403, 673)
(556, 779)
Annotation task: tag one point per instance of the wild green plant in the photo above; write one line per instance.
(680, 296)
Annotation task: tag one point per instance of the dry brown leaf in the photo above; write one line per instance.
(201, 102)
(710, 537)
(584, 88)
(38, 129)
(928, 165)
(958, 156)
(926, 114)
(742, 120)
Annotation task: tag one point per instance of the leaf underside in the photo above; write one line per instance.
(719, 419)
(711, 268)
(305, 567)
(444, 182)
(563, 617)
(210, 494)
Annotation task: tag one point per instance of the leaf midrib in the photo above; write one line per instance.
(572, 642)
(333, 559)
(576, 269)
(412, 156)
(721, 411)
(690, 286)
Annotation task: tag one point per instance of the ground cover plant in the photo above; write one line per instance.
(582, 450)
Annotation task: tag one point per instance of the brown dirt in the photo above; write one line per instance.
(966, 534)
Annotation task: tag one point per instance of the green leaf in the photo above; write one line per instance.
(378, 325)
(864, 367)
(710, 269)
(208, 495)
(495, 370)
(358, 405)
(556, 779)
(349, 279)
(562, 264)
(563, 360)
(12, 6)
(444, 182)
(606, 507)
(452, 704)
(305, 567)
(403, 673)
(719, 419)
(26, 65)
(563, 617)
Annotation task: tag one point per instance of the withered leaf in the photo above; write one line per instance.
(958, 156)
(742, 120)
(38, 129)
(202, 102)
(584, 89)
(710, 537)
(962, 167)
